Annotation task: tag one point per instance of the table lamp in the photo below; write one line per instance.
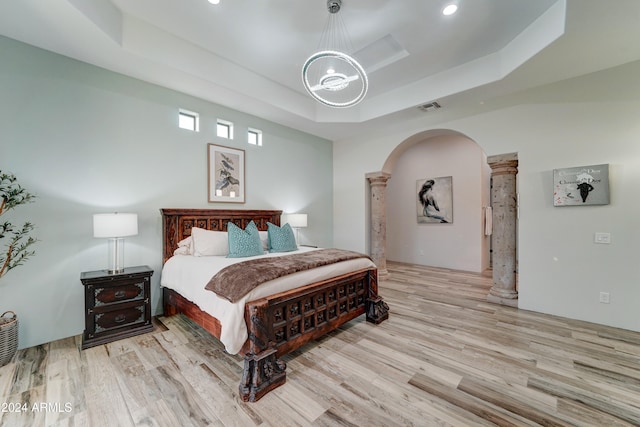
(115, 226)
(296, 221)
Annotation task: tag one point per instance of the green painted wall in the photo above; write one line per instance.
(87, 140)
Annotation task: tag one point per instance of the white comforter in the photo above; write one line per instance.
(188, 275)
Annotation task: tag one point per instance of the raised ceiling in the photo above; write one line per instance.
(248, 54)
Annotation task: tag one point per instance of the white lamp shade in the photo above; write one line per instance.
(115, 225)
(296, 220)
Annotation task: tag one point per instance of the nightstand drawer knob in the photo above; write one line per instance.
(120, 318)
(120, 294)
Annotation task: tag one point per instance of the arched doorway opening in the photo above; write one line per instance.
(464, 243)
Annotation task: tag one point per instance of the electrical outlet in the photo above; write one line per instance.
(604, 238)
(604, 297)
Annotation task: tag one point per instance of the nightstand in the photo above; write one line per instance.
(116, 305)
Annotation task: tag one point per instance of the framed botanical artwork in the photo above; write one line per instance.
(225, 174)
(434, 200)
(581, 186)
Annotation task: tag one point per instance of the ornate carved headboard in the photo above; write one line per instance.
(177, 223)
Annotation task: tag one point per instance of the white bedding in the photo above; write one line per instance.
(188, 275)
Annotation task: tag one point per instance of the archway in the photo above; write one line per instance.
(502, 196)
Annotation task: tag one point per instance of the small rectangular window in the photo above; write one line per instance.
(188, 120)
(225, 129)
(254, 137)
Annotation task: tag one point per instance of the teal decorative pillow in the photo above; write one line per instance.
(281, 239)
(244, 243)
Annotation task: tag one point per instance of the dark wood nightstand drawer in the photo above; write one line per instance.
(124, 292)
(122, 318)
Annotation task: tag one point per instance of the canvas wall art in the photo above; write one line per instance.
(581, 186)
(225, 174)
(435, 200)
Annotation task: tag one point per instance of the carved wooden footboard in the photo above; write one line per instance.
(283, 322)
(279, 323)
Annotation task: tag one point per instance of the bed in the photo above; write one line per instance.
(277, 318)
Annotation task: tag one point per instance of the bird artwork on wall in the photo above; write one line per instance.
(226, 174)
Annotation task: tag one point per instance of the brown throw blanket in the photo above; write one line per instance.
(235, 281)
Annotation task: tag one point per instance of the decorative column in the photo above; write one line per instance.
(378, 185)
(504, 169)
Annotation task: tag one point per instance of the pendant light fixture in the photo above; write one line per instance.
(331, 75)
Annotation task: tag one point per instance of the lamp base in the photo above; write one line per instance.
(116, 255)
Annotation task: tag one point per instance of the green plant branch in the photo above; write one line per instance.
(5, 264)
(17, 251)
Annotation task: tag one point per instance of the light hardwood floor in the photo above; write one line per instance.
(444, 357)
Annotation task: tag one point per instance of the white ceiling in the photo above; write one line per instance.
(248, 54)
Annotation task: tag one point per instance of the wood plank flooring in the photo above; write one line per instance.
(445, 357)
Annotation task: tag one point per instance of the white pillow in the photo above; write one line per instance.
(209, 243)
(182, 251)
(264, 238)
(185, 247)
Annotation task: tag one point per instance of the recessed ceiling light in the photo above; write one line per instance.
(214, 1)
(450, 9)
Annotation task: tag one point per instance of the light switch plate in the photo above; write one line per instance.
(602, 238)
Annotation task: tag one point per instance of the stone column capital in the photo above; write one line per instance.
(378, 178)
(503, 164)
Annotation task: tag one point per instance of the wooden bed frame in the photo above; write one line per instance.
(279, 323)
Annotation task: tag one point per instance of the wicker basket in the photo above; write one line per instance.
(8, 337)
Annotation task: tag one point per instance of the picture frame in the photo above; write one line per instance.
(225, 174)
(581, 186)
(434, 200)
